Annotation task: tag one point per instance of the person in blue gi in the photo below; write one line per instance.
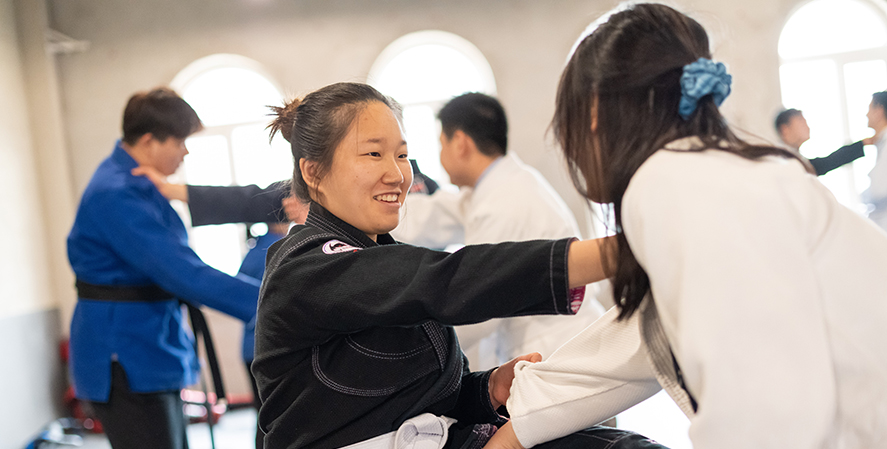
(130, 351)
(354, 340)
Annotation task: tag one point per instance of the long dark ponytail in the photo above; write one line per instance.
(628, 73)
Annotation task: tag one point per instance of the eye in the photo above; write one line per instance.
(403, 156)
(374, 154)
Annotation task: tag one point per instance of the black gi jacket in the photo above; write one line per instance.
(353, 337)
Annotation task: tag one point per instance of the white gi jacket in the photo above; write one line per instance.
(511, 202)
(770, 294)
(876, 194)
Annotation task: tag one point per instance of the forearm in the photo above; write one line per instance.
(174, 192)
(585, 263)
(839, 157)
(236, 204)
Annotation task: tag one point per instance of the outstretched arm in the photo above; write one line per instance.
(224, 204)
(585, 263)
(169, 190)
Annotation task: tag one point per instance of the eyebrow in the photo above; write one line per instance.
(381, 140)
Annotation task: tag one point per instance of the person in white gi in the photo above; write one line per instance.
(501, 199)
(876, 194)
(744, 289)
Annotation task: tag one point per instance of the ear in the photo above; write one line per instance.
(464, 144)
(145, 139)
(309, 173)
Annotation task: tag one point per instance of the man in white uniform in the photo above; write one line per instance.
(501, 199)
(876, 195)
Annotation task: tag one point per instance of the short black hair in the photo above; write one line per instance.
(479, 116)
(784, 117)
(880, 99)
(161, 112)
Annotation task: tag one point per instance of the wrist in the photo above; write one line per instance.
(176, 192)
(491, 389)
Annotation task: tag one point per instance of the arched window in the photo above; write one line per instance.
(422, 71)
(231, 94)
(833, 56)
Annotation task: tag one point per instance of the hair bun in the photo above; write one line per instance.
(285, 119)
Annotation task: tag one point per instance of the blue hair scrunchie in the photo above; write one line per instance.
(702, 78)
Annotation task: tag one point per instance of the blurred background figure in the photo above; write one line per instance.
(876, 195)
(793, 130)
(501, 199)
(131, 353)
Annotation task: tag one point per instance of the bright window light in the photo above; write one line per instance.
(231, 96)
(422, 71)
(207, 162)
(255, 160)
(824, 27)
(423, 140)
(429, 72)
(812, 87)
(834, 57)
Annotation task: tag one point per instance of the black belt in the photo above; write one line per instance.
(126, 293)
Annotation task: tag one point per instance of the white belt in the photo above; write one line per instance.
(425, 431)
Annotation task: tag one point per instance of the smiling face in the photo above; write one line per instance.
(370, 174)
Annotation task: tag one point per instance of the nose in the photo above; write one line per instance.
(394, 174)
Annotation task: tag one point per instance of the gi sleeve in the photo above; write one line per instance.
(837, 158)
(319, 294)
(727, 245)
(473, 405)
(139, 237)
(237, 204)
(599, 373)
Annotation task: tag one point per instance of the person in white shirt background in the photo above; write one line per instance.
(501, 199)
(876, 195)
(743, 288)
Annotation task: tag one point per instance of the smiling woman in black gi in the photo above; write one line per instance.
(354, 344)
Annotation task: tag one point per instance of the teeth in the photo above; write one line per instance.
(388, 197)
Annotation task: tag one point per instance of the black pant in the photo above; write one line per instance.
(141, 420)
(602, 438)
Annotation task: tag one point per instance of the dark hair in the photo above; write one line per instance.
(880, 99)
(315, 125)
(161, 112)
(629, 69)
(784, 117)
(479, 116)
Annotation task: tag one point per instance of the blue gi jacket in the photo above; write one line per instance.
(126, 234)
(253, 265)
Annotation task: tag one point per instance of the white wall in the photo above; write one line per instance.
(29, 293)
(307, 44)
(23, 287)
